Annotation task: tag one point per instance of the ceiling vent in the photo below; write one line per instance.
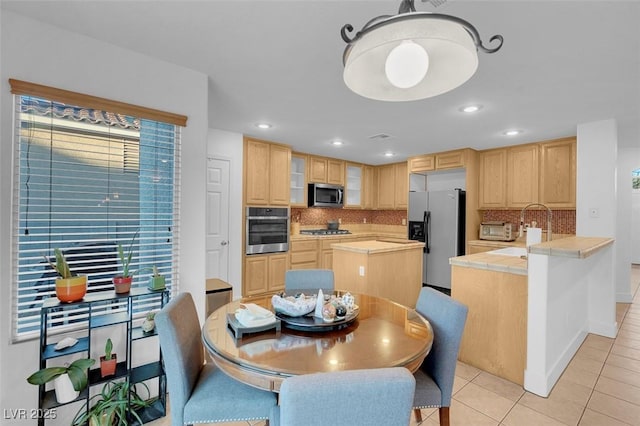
(380, 137)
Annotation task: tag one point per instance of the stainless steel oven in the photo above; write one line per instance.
(267, 230)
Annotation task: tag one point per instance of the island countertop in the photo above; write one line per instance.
(378, 246)
(575, 247)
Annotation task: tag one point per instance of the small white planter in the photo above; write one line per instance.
(64, 389)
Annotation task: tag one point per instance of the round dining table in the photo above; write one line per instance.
(384, 334)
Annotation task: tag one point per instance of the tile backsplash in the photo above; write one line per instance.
(562, 221)
(318, 216)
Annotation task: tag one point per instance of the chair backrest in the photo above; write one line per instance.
(182, 350)
(309, 279)
(447, 317)
(382, 396)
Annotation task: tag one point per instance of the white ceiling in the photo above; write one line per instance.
(562, 63)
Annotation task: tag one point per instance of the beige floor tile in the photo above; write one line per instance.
(629, 343)
(598, 342)
(555, 406)
(624, 362)
(593, 418)
(426, 412)
(483, 400)
(592, 353)
(630, 327)
(466, 371)
(499, 385)
(619, 390)
(567, 390)
(621, 374)
(581, 377)
(632, 320)
(614, 407)
(521, 415)
(587, 364)
(626, 352)
(462, 415)
(458, 383)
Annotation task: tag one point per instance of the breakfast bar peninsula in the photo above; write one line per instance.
(389, 268)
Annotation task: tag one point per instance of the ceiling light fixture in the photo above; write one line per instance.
(513, 132)
(263, 125)
(389, 154)
(411, 55)
(471, 108)
(336, 142)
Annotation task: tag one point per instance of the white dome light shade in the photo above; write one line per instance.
(452, 54)
(406, 65)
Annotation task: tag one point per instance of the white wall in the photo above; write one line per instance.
(629, 159)
(229, 145)
(58, 58)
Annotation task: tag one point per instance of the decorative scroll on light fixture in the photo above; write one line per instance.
(411, 55)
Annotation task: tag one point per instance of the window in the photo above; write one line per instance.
(87, 179)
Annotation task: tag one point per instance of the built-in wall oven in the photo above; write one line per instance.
(267, 230)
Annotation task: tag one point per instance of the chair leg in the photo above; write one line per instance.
(418, 414)
(443, 412)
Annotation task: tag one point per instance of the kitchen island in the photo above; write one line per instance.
(569, 292)
(389, 268)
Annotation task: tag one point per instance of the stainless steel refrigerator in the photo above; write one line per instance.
(438, 219)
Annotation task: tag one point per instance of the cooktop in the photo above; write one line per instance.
(324, 231)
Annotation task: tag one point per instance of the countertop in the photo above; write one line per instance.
(378, 246)
(571, 247)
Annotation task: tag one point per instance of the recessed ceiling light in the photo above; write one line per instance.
(389, 154)
(471, 108)
(512, 132)
(263, 125)
(336, 142)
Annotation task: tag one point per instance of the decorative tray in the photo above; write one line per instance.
(310, 323)
(239, 330)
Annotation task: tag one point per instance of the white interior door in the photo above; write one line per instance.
(218, 218)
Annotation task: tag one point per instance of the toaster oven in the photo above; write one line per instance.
(497, 231)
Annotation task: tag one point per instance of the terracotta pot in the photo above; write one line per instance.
(108, 368)
(122, 284)
(71, 289)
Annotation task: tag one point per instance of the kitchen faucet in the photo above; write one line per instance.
(549, 214)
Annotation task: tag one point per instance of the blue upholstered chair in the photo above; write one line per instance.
(365, 397)
(309, 279)
(434, 379)
(199, 392)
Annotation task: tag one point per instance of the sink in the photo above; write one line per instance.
(510, 251)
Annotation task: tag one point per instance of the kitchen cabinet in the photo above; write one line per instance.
(326, 170)
(264, 273)
(298, 190)
(422, 163)
(393, 184)
(450, 160)
(303, 254)
(492, 179)
(326, 252)
(558, 173)
(522, 175)
(369, 187)
(353, 190)
(267, 173)
(120, 313)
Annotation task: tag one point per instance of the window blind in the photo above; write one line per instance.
(86, 180)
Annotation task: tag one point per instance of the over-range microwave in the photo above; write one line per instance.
(325, 195)
(497, 231)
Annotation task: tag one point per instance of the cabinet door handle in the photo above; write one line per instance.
(224, 243)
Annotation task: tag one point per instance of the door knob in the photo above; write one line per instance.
(224, 243)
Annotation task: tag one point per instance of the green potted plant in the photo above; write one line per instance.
(68, 381)
(149, 322)
(156, 281)
(122, 282)
(69, 286)
(108, 361)
(116, 404)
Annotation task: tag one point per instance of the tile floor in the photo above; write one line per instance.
(600, 387)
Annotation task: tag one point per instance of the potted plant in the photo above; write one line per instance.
(108, 361)
(116, 404)
(69, 286)
(122, 282)
(156, 281)
(69, 380)
(149, 322)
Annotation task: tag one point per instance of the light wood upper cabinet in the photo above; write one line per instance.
(267, 173)
(422, 163)
(522, 175)
(558, 173)
(369, 187)
(317, 169)
(450, 160)
(298, 195)
(402, 186)
(353, 189)
(492, 179)
(335, 171)
(386, 180)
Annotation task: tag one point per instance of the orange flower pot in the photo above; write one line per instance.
(108, 367)
(71, 289)
(122, 284)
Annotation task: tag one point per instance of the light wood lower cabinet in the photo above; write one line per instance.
(495, 334)
(303, 254)
(264, 273)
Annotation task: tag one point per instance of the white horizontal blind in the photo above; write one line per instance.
(86, 180)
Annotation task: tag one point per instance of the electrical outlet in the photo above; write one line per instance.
(339, 220)
(364, 220)
(361, 271)
(404, 221)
